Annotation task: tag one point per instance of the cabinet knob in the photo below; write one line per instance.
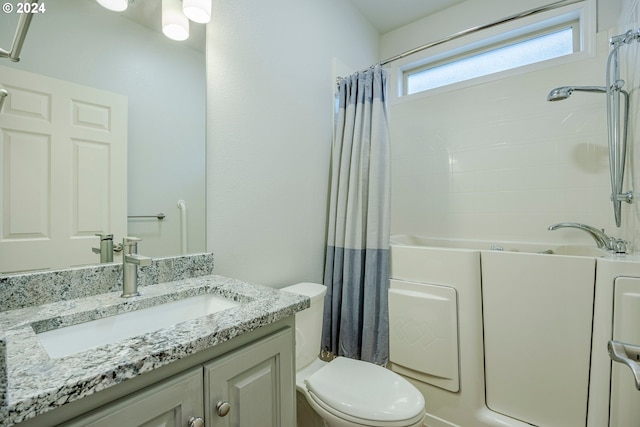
(223, 408)
(196, 422)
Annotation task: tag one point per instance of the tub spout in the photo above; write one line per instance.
(602, 240)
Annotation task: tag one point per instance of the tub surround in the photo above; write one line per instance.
(32, 383)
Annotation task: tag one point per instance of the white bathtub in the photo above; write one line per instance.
(532, 356)
(541, 248)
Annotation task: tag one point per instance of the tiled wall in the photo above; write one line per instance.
(630, 61)
(496, 161)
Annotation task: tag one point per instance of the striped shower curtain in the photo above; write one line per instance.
(356, 271)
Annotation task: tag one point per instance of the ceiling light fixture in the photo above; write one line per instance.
(197, 10)
(175, 14)
(115, 5)
(175, 24)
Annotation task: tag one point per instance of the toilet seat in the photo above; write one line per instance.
(374, 396)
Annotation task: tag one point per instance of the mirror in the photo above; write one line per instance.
(165, 84)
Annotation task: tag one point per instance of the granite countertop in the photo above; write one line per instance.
(36, 383)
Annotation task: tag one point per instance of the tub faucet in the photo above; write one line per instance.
(130, 262)
(602, 240)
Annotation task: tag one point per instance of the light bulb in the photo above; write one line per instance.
(115, 5)
(197, 10)
(175, 24)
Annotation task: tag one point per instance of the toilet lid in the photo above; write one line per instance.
(365, 391)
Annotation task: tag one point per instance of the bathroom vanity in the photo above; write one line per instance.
(249, 383)
(233, 366)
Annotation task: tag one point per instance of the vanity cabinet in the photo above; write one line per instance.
(249, 387)
(253, 384)
(168, 404)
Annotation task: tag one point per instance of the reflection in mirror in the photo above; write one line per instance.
(163, 84)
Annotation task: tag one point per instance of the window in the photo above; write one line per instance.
(535, 43)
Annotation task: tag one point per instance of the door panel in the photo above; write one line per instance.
(625, 398)
(537, 352)
(63, 156)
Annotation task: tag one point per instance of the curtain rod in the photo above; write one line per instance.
(545, 8)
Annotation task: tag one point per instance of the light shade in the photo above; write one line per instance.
(115, 5)
(174, 24)
(197, 10)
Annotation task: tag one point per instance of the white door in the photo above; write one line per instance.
(625, 397)
(63, 157)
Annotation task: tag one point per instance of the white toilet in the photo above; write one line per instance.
(347, 392)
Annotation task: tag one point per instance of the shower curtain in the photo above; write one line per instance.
(356, 274)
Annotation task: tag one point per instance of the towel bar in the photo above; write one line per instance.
(159, 216)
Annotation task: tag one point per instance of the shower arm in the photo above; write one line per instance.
(589, 89)
(18, 39)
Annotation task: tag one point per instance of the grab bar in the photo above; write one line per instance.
(627, 354)
(18, 39)
(183, 226)
(159, 216)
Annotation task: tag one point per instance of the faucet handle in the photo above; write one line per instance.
(619, 246)
(130, 240)
(130, 245)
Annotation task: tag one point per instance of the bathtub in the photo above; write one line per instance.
(512, 334)
(541, 248)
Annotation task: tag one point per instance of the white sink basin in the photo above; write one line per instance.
(83, 336)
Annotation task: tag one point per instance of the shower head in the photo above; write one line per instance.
(563, 92)
(559, 93)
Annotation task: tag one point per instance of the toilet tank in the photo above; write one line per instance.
(308, 323)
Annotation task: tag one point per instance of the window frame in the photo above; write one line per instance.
(581, 16)
(574, 26)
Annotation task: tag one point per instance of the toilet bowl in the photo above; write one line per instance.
(346, 392)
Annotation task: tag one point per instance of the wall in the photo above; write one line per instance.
(82, 42)
(630, 62)
(269, 124)
(495, 160)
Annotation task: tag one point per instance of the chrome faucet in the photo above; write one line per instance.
(106, 248)
(130, 262)
(602, 240)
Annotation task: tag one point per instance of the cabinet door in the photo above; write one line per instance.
(169, 403)
(256, 384)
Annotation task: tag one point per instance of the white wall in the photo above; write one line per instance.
(269, 124)
(497, 161)
(82, 42)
